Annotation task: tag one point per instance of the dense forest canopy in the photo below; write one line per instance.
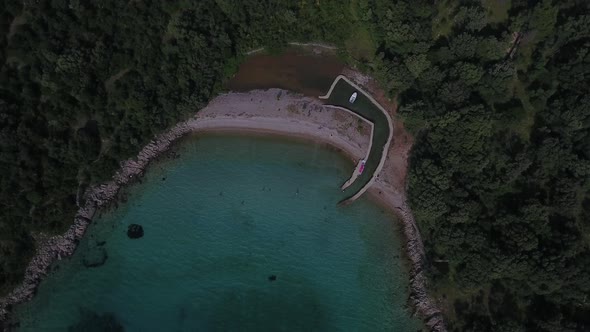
(495, 92)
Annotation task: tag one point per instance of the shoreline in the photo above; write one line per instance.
(265, 133)
(270, 112)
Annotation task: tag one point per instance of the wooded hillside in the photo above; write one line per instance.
(495, 92)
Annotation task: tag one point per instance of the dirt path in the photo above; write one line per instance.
(16, 22)
(314, 45)
(111, 80)
(320, 45)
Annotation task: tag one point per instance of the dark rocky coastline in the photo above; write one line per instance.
(56, 247)
(424, 305)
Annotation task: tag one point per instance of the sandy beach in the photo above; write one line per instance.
(290, 115)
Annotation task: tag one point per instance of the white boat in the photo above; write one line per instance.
(352, 98)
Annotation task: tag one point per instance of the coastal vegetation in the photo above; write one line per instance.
(495, 92)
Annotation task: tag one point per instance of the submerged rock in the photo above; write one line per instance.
(135, 231)
(91, 321)
(95, 257)
(272, 277)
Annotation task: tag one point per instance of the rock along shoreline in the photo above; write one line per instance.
(272, 111)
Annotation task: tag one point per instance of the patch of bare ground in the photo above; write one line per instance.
(16, 22)
(111, 80)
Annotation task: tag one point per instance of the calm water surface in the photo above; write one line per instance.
(296, 69)
(219, 223)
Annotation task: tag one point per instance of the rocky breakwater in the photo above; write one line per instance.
(422, 301)
(52, 248)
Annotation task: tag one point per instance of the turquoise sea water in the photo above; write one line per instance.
(220, 221)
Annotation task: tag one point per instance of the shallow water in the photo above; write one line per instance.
(296, 69)
(219, 222)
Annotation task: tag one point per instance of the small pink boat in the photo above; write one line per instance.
(362, 168)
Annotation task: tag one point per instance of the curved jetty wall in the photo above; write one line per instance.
(367, 109)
